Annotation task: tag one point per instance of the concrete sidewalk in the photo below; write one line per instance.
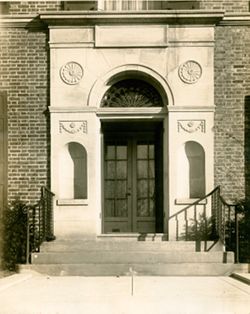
(33, 293)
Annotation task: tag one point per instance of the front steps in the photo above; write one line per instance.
(111, 256)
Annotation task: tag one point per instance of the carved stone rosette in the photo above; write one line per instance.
(190, 72)
(71, 73)
(73, 127)
(191, 126)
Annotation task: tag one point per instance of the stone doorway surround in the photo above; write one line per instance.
(88, 51)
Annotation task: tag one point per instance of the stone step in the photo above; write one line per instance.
(150, 269)
(126, 257)
(73, 246)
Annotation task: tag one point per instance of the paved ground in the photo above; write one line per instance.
(32, 293)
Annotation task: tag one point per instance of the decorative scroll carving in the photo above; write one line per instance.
(132, 93)
(71, 73)
(73, 127)
(192, 126)
(190, 72)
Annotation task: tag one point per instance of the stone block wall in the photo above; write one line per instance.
(24, 76)
(232, 89)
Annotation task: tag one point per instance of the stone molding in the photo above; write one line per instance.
(100, 87)
(242, 19)
(133, 113)
(21, 21)
(74, 110)
(191, 109)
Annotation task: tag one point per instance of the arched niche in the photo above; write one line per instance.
(191, 182)
(196, 160)
(73, 172)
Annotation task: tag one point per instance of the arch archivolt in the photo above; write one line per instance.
(127, 72)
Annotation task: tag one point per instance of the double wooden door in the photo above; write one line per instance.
(132, 183)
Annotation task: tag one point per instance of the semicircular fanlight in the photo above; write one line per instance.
(131, 93)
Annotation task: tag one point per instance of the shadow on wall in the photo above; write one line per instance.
(247, 147)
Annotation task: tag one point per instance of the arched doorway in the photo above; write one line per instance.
(133, 161)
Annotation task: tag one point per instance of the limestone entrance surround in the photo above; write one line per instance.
(85, 60)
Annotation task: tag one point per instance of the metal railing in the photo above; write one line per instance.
(210, 218)
(40, 223)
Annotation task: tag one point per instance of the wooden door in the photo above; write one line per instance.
(131, 189)
(117, 200)
(144, 187)
(3, 152)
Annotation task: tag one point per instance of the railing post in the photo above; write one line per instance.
(236, 235)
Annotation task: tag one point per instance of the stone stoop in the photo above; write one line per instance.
(102, 257)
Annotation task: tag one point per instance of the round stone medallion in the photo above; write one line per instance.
(71, 73)
(190, 72)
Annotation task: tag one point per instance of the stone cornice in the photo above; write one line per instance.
(21, 21)
(236, 20)
(181, 17)
(76, 18)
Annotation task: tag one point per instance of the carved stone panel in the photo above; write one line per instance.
(191, 126)
(71, 73)
(190, 72)
(73, 127)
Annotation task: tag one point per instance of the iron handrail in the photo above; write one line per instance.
(40, 222)
(222, 223)
(194, 203)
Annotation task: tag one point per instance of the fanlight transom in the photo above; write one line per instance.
(132, 93)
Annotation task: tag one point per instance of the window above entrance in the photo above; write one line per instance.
(138, 5)
(131, 5)
(132, 93)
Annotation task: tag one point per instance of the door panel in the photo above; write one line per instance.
(130, 183)
(144, 220)
(116, 210)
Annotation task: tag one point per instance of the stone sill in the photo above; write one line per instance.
(188, 201)
(70, 202)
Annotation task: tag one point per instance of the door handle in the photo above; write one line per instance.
(128, 194)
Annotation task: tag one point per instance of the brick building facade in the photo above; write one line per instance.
(25, 65)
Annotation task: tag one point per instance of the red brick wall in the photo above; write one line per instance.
(226, 5)
(24, 75)
(32, 7)
(232, 86)
(23, 7)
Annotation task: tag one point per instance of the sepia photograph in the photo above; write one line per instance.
(125, 157)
